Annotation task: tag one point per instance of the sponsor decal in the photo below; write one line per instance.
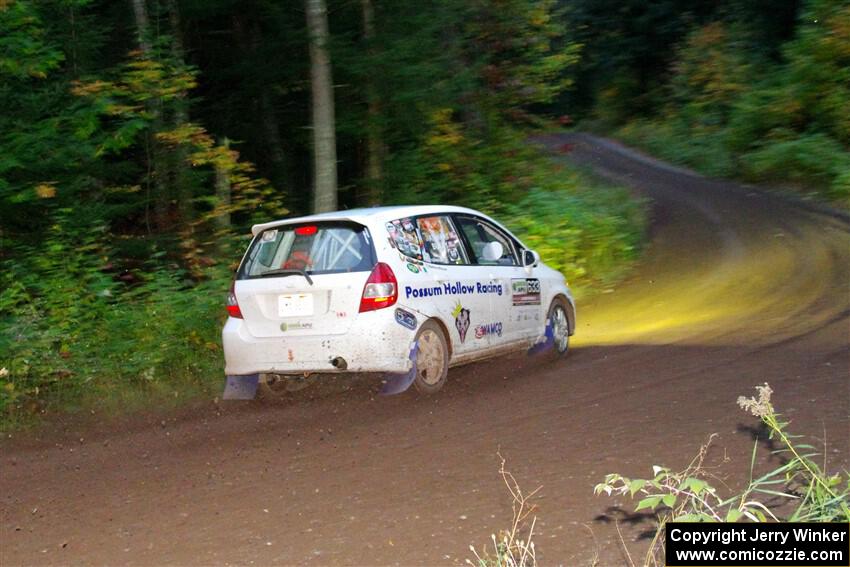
(525, 291)
(406, 318)
(482, 331)
(462, 320)
(295, 326)
(413, 267)
(456, 288)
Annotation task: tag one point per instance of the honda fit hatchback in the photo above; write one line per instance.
(398, 290)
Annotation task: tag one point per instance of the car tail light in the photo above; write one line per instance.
(381, 289)
(308, 230)
(233, 305)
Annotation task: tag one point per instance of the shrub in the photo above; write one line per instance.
(591, 234)
(686, 496)
(814, 160)
(702, 147)
(73, 334)
(514, 546)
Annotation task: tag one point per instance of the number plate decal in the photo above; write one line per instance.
(295, 305)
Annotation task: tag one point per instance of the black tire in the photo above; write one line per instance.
(560, 322)
(432, 360)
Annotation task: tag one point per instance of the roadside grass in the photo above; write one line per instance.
(76, 338)
(590, 231)
(514, 546)
(814, 166)
(800, 490)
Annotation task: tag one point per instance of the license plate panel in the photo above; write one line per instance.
(295, 305)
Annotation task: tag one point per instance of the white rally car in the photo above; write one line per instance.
(401, 290)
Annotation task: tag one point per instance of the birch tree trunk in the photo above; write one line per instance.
(374, 140)
(324, 136)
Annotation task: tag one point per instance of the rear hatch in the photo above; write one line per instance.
(304, 279)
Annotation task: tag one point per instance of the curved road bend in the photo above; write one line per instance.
(736, 288)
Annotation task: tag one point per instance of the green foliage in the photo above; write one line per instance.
(24, 53)
(710, 73)
(686, 496)
(703, 148)
(732, 112)
(807, 159)
(122, 177)
(73, 333)
(589, 232)
(818, 70)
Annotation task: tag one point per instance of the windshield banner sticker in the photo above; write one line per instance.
(526, 291)
(456, 288)
(441, 242)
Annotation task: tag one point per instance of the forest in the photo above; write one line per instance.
(140, 139)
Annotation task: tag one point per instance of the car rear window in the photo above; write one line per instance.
(316, 248)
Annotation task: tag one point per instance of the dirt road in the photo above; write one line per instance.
(736, 288)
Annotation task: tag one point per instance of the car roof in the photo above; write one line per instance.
(366, 215)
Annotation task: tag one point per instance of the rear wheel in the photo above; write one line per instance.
(432, 358)
(560, 327)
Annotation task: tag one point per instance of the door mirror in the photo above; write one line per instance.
(530, 258)
(492, 251)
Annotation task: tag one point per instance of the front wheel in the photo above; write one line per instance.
(432, 358)
(560, 327)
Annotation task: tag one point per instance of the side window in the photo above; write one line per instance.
(479, 234)
(404, 235)
(430, 238)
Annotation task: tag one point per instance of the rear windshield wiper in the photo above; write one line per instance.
(287, 272)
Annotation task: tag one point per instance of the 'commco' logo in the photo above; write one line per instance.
(482, 331)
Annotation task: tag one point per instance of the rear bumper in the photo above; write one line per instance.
(374, 343)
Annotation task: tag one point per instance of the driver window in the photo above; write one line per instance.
(480, 233)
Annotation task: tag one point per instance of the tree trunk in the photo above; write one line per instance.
(179, 174)
(324, 137)
(140, 11)
(222, 190)
(374, 140)
(249, 38)
(159, 196)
